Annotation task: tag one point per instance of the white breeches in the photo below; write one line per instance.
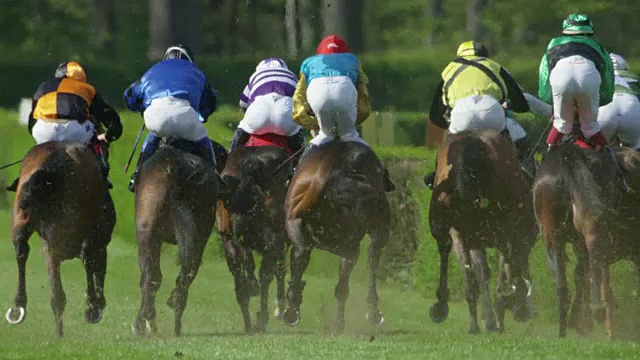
(622, 117)
(477, 112)
(334, 102)
(270, 113)
(173, 117)
(62, 130)
(575, 83)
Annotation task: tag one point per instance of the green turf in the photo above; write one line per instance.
(212, 323)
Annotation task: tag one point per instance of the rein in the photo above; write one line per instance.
(282, 164)
(9, 165)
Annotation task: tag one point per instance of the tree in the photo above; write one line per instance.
(334, 17)
(309, 22)
(290, 20)
(436, 12)
(475, 8)
(354, 25)
(344, 18)
(161, 27)
(105, 22)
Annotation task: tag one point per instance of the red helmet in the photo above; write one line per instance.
(332, 44)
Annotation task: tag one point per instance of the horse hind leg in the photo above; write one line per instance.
(580, 316)
(470, 284)
(379, 239)
(440, 310)
(483, 273)
(607, 294)
(17, 314)
(234, 256)
(149, 248)
(281, 272)
(95, 263)
(558, 256)
(299, 261)
(58, 297)
(190, 262)
(342, 290)
(267, 271)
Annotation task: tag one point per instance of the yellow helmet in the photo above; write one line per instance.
(473, 48)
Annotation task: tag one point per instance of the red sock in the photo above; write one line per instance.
(599, 139)
(554, 136)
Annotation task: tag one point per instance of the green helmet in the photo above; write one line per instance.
(577, 24)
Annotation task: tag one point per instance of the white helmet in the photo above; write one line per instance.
(619, 63)
(272, 63)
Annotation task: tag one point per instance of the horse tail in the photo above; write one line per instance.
(39, 193)
(579, 181)
(471, 170)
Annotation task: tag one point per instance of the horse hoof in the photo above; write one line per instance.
(492, 328)
(254, 287)
(16, 316)
(143, 326)
(93, 315)
(376, 319)
(522, 314)
(277, 312)
(439, 312)
(291, 317)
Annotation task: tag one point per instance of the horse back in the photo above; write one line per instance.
(62, 195)
(479, 185)
(175, 189)
(343, 177)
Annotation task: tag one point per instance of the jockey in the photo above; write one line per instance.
(175, 100)
(576, 74)
(475, 93)
(622, 116)
(67, 108)
(267, 101)
(332, 96)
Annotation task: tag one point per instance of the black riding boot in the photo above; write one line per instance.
(389, 186)
(134, 177)
(14, 185)
(430, 179)
(240, 137)
(104, 169)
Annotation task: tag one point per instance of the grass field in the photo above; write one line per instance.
(212, 324)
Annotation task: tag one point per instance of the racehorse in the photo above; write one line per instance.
(576, 193)
(175, 202)
(252, 219)
(480, 200)
(335, 197)
(63, 196)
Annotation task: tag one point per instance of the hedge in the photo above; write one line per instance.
(397, 82)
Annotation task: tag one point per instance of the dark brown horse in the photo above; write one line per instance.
(252, 219)
(481, 200)
(335, 197)
(175, 199)
(64, 198)
(576, 192)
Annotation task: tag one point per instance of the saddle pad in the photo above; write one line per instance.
(268, 139)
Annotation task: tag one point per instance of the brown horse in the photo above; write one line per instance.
(252, 219)
(64, 198)
(335, 197)
(480, 200)
(576, 192)
(175, 200)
